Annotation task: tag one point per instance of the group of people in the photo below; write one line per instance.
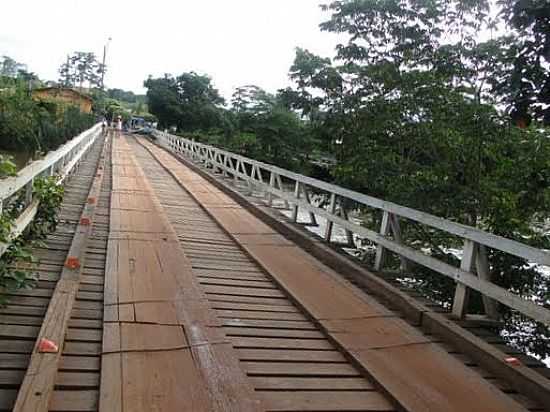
(114, 124)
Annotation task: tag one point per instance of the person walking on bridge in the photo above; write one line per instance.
(119, 126)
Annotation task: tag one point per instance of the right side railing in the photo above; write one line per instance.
(473, 273)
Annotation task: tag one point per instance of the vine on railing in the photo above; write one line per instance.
(7, 167)
(17, 264)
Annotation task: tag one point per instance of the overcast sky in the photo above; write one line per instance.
(236, 42)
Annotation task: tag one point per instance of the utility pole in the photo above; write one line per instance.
(103, 65)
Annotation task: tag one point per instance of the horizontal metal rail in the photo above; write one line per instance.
(473, 272)
(60, 162)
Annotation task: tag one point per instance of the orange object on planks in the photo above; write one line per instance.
(72, 262)
(91, 200)
(47, 346)
(512, 361)
(85, 221)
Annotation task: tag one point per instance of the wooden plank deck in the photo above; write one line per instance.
(162, 346)
(186, 301)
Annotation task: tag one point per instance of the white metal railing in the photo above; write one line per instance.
(60, 162)
(473, 272)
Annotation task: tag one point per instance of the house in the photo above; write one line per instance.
(66, 95)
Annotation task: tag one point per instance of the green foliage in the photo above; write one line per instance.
(189, 102)
(527, 85)
(126, 96)
(17, 263)
(50, 196)
(7, 167)
(79, 68)
(37, 126)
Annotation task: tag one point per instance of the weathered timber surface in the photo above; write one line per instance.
(280, 349)
(413, 370)
(163, 348)
(28, 307)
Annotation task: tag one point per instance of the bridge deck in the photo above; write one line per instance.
(186, 301)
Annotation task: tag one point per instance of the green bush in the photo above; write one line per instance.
(17, 264)
(31, 125)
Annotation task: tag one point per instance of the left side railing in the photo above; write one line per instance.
(61, 162)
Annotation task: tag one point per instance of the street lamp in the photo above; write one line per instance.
(103, 65)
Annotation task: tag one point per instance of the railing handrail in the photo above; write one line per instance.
(60, 162)
(13, 184)
(473, 272)
(501, 243)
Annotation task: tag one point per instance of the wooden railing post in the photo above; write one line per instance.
(271, 186)
(330, 224)
(381, 250)
(390, 224)
(281, 188)
(483, 271)
(28, 192)
(349, 233)
(312, 218)
(462, 293)
(294, 216)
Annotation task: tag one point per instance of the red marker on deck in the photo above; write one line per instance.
(47, 346)
(512, 361)
(72, 263)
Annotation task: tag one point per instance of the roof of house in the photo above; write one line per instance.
(82, 95)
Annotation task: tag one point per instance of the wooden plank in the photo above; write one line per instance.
(215, 298)
(110, 394)
(242, 291)
(270, 324)
(290, 355)
(252, 314)
(275, 383)
(11, 377)
(300, 369)
(70, 401)
(7, 398)
(273, 333)
(280, 343)
(79, 363)
(285, 307)
(70, 380)
(325, 401)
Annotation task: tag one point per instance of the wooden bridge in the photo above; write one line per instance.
(174, 283)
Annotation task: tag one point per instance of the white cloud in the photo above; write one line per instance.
(235, 41)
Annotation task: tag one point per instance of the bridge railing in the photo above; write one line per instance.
(61, 162)
(473, 273)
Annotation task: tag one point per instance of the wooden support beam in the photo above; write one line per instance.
(294, 216)
(462, 292)
(305, 191)
(381, 250)
(271, 186)
(330, 223)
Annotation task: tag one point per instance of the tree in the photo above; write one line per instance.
(9, 67)
(190, 102)
(81, 67)
(527, 86)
